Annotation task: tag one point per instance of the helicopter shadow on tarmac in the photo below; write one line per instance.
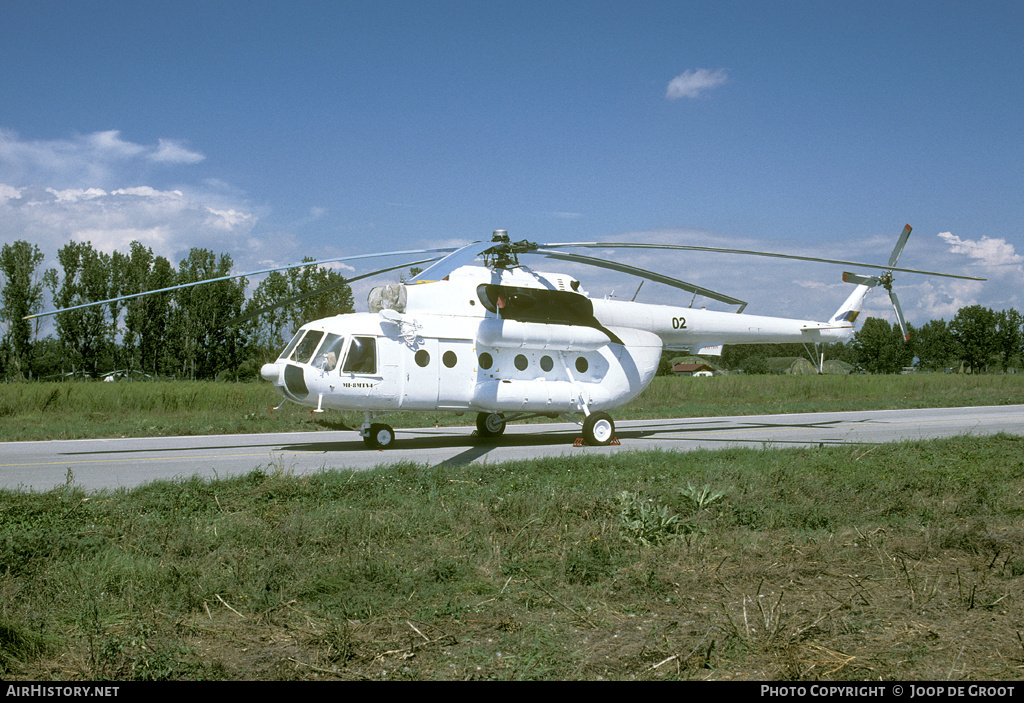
(415, 443)
(671, 433)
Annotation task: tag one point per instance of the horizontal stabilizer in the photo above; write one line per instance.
(714, 349)
(838, 325)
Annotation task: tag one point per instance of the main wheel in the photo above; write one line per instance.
(598, 429)
(490, 424)
(381, 436)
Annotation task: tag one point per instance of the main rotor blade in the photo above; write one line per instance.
(241, 275)
(323, 289)
(458, 257)
(642, 273)
(721, 250)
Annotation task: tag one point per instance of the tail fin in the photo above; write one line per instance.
(847, 313)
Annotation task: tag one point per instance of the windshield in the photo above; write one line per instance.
(291, 345)
(305, 348)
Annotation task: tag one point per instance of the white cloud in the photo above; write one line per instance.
(109, 145)
(989, 251)
(73, 195)
(147, 191)
(229, 220)
(173, 153)
(97, 188)
(1000, 264)
(167, 221)
(9, 192)
(97, 160)
(940, 299)
(691, 84)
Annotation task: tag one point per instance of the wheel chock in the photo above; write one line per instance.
(614, 443)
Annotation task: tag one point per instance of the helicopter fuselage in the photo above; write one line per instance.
(509, 340)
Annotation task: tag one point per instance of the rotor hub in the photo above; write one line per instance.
(505, 253)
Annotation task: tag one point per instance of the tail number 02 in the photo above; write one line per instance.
(679, 323)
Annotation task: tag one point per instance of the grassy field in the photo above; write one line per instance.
(34, 411)
(895, 562)
(892, 562)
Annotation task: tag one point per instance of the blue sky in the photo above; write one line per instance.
(272, 131)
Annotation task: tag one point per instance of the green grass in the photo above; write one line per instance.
(35, 411)
(901, 561)
(808, 563)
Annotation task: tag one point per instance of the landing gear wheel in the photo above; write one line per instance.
(490, 424)
(598, 429)
(380, 436)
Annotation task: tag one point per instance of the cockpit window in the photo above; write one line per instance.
(291, 345)
(362, 356)
(305, 348)
(327, 358)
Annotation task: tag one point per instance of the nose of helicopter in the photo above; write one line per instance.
(270, 372)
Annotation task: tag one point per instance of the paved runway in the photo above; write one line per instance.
(111, 463)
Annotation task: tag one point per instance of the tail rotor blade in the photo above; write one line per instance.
(860, 280)
(899, 315)
(900, 243)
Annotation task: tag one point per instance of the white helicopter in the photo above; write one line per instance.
(509, 343)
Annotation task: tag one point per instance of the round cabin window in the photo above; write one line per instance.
(486, 361)
(582, 365)
(522, 362)
(422, 358)
(449, 359)
(546, 363)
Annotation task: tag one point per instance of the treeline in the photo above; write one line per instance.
(203, 332)
(215, 331)
(976, 340)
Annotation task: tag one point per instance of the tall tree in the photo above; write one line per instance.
(935, 347)
(153, 343)
(1009, 336)
(203, 342)
(881, 348)
(271, 321)
(146, 318)
(974, 329)
(309, 281)
(21, 295)
(83, 334)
